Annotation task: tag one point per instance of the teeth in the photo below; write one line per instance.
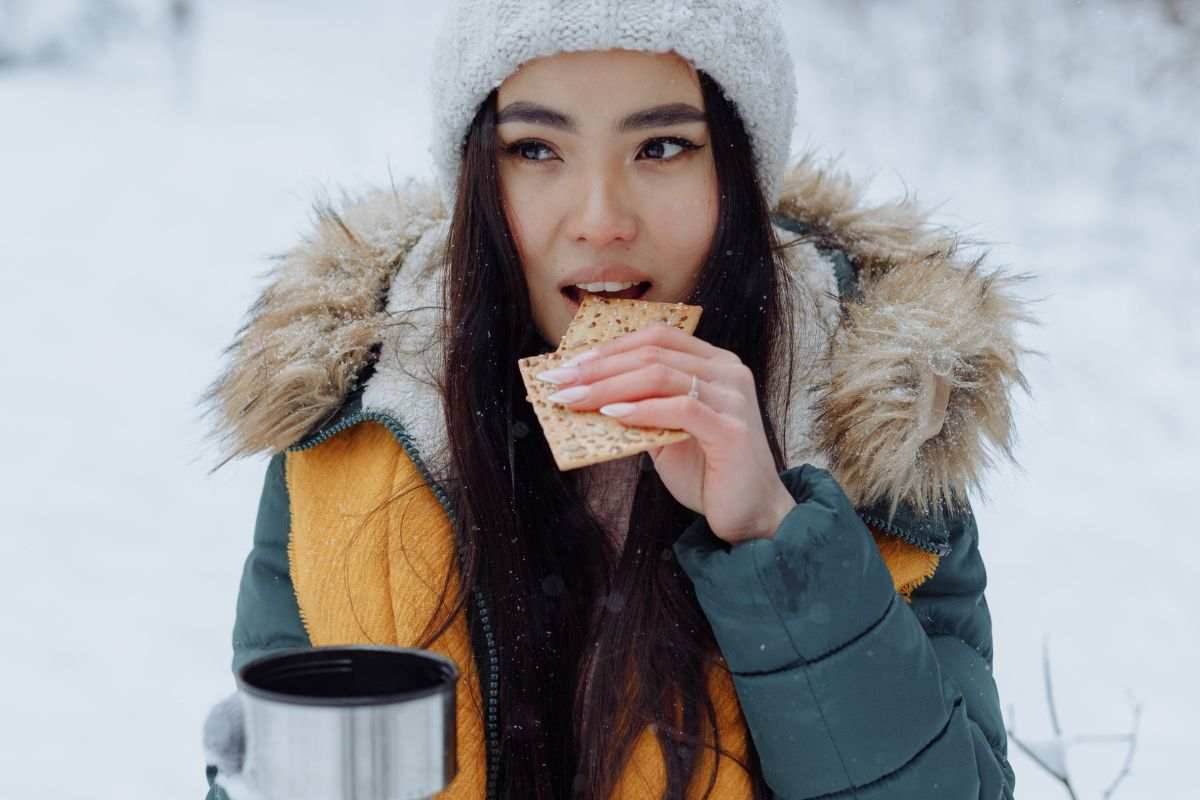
(606, 287)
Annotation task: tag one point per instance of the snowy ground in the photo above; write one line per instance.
(139, 207)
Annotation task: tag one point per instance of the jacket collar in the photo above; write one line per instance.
(910, 371)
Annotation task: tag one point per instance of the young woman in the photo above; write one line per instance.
(788, 604)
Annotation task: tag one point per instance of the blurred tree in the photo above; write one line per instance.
(8, 22)
(54, 31)
(181, 24)
(180, 13)
(1174, 9)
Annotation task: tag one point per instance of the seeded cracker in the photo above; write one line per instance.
(600, 319)
(581, 438)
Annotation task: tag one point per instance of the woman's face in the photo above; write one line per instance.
(607, 176)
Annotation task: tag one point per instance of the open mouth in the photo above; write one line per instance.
(575, 294)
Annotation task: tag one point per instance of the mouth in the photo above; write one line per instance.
(575, 295)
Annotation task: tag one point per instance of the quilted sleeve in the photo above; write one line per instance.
(268, 616)
(847, 689)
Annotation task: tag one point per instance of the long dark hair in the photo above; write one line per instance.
(582, 676)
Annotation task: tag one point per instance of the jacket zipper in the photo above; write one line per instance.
(492, 689)
(936, 549)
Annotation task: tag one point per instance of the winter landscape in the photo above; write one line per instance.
(151, 163)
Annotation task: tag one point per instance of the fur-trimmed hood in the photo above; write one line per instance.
(908, 373)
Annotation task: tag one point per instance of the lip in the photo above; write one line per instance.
(574, 296)
(608, 273)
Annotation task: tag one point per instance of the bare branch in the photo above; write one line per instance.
(1049, 687)
(1100, 738)
(1137, 714)
(1059, 774)
(1037, 760)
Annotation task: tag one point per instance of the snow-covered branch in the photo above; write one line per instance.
(1051, 754)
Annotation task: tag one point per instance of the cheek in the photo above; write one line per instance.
(527, 221)
(686, 228)
(515, 208)
(532, 228)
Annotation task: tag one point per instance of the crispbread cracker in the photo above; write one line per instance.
(600, 319)
(581, 438)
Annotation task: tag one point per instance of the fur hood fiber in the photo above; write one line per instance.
(907, 397)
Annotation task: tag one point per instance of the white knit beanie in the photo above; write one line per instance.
(739, 43)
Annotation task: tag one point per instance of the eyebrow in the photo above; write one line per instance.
(658, 116)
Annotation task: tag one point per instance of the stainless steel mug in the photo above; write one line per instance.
(347, 723)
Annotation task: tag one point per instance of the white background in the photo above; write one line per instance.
(142, 192)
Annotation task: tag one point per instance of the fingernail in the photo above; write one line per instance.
(570, 395)
(558, 375)
(582, 358)
(617, 409)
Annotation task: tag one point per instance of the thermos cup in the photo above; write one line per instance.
(346, 723)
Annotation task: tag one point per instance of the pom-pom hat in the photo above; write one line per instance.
(739, 43)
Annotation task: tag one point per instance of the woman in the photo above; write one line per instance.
(790, 603)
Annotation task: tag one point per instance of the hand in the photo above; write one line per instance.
(225, 748)
(225, 735)
(725, 471)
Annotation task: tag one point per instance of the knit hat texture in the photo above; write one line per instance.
(739, 43)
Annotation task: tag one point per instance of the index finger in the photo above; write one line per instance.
(656, 333)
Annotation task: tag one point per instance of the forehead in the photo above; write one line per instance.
(603, 83)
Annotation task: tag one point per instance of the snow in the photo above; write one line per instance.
(145, 191)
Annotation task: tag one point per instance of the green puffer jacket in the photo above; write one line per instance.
(848, 688)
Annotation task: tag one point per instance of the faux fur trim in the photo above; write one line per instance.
(927, 318)
(408, 372)
(307, 338)
(911, 397)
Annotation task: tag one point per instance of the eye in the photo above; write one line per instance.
(530, 150)
(659, 149)
(667, 148)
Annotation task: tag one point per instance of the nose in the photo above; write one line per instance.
(603, 214)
